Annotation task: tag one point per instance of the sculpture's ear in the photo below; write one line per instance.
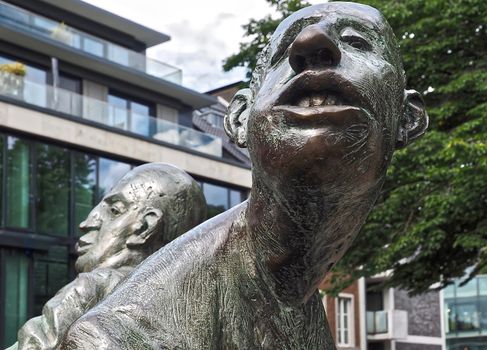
(146, 227)
(237, 117)
(414, 122)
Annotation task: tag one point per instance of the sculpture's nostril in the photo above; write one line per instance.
(313, 49)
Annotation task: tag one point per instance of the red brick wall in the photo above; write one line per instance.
(331, 312)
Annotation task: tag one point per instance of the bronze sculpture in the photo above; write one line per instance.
(326, 108)
(149, 207)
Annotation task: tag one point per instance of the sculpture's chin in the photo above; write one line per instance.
(83, 264)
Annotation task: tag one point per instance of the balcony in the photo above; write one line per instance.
(376, 322)
(390, 324)
(18, 18)
(64, 101)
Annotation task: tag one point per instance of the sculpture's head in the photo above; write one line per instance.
(149, 207)
(327, 104)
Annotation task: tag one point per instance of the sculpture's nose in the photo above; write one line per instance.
(92, 222)
(313, 49)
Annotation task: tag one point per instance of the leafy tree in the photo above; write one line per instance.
(430, 223)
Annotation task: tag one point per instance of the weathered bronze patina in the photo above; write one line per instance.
(149, 207)
(326, 109)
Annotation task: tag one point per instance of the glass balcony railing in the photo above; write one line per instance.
(377, 322)
(101, 112)
(17, 17)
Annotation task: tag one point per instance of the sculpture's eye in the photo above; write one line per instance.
(117, 208)
(115, 211)
(355, 40)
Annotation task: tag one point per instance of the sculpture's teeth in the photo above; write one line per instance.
(304, 102)
(317, 100)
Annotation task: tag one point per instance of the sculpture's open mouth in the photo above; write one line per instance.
(320, 96)
(316, 98)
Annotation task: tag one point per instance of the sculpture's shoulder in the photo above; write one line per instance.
(171, 296)
(69, 303)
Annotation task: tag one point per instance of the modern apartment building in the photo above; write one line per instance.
(80, 104)
(366, 316)
(465, 314)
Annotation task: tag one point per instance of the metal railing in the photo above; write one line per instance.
(85, 107)
(377, 322)
(17, 17)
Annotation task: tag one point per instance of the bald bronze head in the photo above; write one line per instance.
(327, 104)
(149, 207)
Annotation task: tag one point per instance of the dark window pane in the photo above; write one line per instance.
(52, 189)
(15, 274)
(70, 83)
(18, 183)
(110, 172)
(235, 198)
(50, 274)
(84, 187)
(216, 198)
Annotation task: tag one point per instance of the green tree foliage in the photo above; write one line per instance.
(430, 223)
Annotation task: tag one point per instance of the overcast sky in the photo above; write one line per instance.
(203, 33)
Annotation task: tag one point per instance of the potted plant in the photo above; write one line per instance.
(12, 78)
(62, 33)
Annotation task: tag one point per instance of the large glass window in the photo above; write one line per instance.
(48, 174)
(52, 200)
(84, 186)
(216, 198)
(467, 315)
(18, 183)
(15, 273)
(483, 285)
(118, 112)
(93, 46)
(466, 307)
(220, 198)
(235, 197)
(110, 172)
(130, 114)
(50, 274)
(33, 87)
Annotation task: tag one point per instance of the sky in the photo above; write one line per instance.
(203, 33)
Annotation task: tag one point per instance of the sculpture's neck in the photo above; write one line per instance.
(299, 233)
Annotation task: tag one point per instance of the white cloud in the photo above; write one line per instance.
(203, 33)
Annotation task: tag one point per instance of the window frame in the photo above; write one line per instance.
(350, 326)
